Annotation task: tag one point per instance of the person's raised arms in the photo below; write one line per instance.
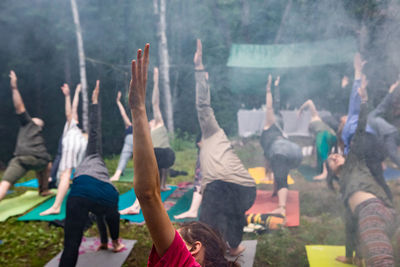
(358, 66)
(270, 116)
(17, 99)
(65, 90)
(155, 100)
(146, 181)
(75, 103)
(310, 105)
(121, 108)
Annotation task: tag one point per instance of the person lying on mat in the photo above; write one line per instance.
(91, 191)
(74, 143)
(386, 132)
(281, 155)
(194, 244)
(165, 156)
(369, 214)
(127, 149)
(30, 151)
(197, 197)
(374, 149)
(228, 189)
(325, 138)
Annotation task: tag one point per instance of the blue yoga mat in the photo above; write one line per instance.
(127, 199)
(391, 174)
(31, 183)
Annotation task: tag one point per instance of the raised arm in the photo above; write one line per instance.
(94, 128)
(121, 108)
(362, 119)
(354, 102)
(75, 103)
(146, 181)
(310, 105)
(16, 96)
(270, 115)
(386, 102)
(205, 113)
(155, 100)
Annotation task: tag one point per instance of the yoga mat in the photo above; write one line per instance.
(127, 176)
(308, 172)
(325, 256)
(258, 175)
(31, 183)
(89, 256)
(34, 214)
(391, 174)
(265, 203)
(182, 205)
(20, 204)
(246, 259)
(127, 199)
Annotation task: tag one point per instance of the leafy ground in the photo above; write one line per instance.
(35, 243)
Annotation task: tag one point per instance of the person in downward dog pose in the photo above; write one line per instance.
(369, 214)
(281, 155)
(30, 151)
(91, 191)
(194, 244)
(127, 149)
(74, 143)
(325, 138)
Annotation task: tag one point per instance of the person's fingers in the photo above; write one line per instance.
(145, 64)
(199, 48)
(139, 68)
(133, 71)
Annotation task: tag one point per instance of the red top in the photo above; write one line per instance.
(177, 255)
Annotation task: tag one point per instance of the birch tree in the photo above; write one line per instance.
(160, 12)
(82, 66)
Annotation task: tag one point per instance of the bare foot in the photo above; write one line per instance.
(236, 251)
(165, 188)
(115, 177)
(279, 211)
(134, 209)
(118, 246)
(102, 247)
(50, 211)
(319, 177)
(187, 214)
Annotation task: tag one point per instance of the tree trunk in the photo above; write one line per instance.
(245, 15)
(164, 61)
(82, 67)
(283, 21)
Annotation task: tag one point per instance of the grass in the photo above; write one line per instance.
(35, 243)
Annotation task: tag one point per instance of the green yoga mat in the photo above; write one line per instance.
(308, 172)
(34, 214)
(20, 204)
(127, 176)
(182, 205)
(128, 198)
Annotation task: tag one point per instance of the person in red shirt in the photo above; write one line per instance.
(195, 244)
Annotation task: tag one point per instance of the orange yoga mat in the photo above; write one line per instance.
(265, 203)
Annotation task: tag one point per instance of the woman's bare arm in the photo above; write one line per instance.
(146, 181)
(122, 111)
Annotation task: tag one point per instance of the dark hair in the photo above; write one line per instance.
(214, 245)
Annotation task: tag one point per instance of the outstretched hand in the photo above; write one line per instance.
(137, 87)
(198, 56)
(358, 62)
(155, 75)
(78, 88)
(277, 80)
(95, 94)
(65, 89)
(362, 91)
(13, 79)
(394, 86)
(118, 97)
(269, 82)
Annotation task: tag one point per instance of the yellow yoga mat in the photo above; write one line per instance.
(325, 256)
(258, 175)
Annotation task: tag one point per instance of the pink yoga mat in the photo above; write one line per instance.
(265, 203)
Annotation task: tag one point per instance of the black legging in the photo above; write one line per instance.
(78, 209)
(280, 166)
